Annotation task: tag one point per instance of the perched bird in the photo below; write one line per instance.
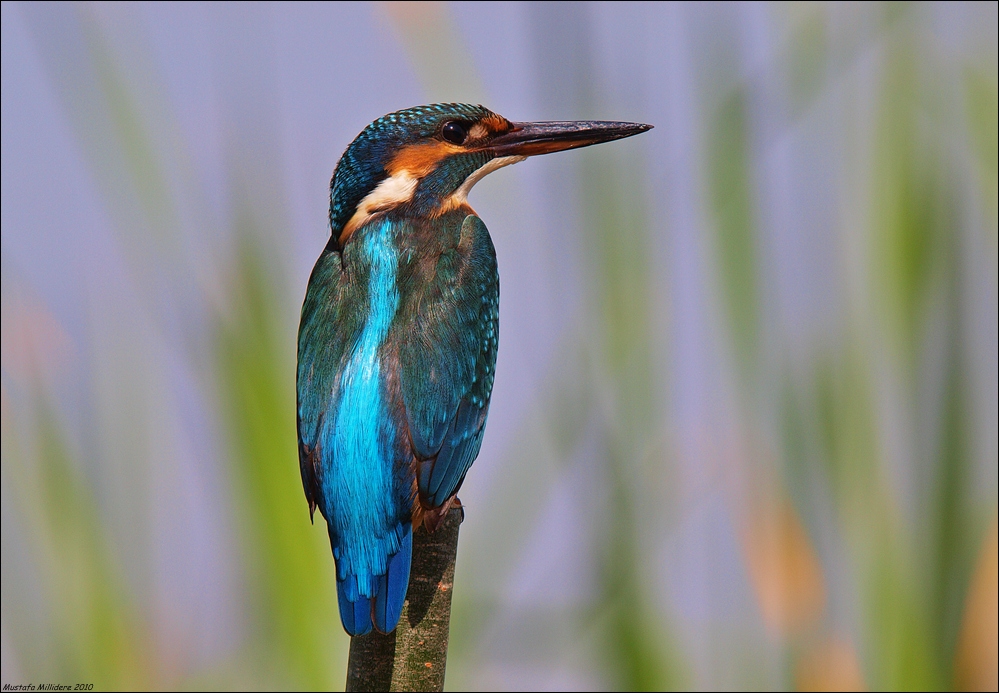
(398, 337)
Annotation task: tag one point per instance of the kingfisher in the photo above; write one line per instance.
(398, 336)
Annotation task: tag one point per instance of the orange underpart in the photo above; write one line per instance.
(431, 518)
(449, 205)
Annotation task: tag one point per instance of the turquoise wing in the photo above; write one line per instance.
(448, 359)
(329, 327)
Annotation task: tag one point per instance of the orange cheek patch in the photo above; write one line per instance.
(420, 159)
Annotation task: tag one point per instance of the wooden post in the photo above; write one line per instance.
(414, 656)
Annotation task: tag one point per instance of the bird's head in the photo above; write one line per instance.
(422, 161)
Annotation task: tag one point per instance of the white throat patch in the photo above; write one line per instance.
(460, 196)
(392, 191)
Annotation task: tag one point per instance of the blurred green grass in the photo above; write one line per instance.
(94, 630)
(292, 576)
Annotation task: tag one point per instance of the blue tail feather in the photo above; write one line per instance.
(356, 615)
(393, 585)
(388, 591)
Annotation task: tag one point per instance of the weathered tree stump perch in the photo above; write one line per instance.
(414, 656)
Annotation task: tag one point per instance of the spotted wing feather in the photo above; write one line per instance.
(449, 359)
(330, 325)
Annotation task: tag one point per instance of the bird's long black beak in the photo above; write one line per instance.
(530, 139)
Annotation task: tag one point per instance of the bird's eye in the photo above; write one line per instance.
(454, 132)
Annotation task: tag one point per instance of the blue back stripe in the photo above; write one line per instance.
(361, 483)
